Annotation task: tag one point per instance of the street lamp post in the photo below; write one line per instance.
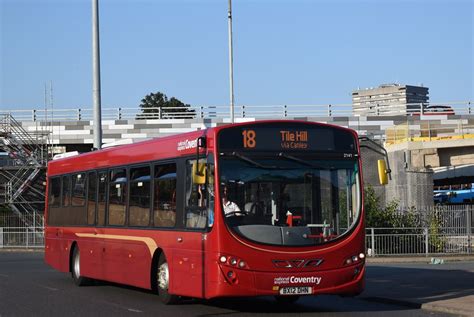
(96, 76)
(231, 64)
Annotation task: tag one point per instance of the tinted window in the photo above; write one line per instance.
(139, 196)
(102, 199)
(117, 197)
(66, 193)
(55, 192)
(196, 195)
(91, 197)
(164, 205)
(78, 189)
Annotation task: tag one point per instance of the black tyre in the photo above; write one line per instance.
(76, 269)
(162, 282)
(286, 300)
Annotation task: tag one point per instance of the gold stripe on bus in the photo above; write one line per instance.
(150, 243)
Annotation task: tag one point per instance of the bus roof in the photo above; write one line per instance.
(183, 144)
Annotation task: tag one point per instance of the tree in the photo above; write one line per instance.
(158, 106)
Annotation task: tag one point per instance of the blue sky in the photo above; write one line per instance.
(285, 52)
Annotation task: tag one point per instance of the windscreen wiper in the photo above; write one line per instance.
(249, 160)
(295, 159)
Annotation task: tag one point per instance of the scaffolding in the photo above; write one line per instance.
(24, 175)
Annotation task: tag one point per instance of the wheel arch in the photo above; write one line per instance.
(154, 268)
(71, 254)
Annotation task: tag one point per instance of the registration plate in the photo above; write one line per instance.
(296, 290)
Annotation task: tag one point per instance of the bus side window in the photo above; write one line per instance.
(196, 198)
(78, 189)
(139, 196)
(117, 197)
(102, 199)
(91, 197)
(66, 192)
(55, 192)
(54, 200)
(164, 204)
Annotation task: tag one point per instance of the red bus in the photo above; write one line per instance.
(250, 209)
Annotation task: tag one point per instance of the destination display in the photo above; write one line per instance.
(286, 137)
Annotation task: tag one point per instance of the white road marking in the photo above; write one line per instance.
(49, 288)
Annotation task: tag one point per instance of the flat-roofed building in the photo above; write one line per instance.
(388, 100)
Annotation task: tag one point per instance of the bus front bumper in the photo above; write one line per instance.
(345, 281)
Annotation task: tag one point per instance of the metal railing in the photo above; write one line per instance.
(22, 231)
(241, 111)
(453, 234)
(443, 229)
(417, 241)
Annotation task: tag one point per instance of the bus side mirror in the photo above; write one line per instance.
(199, 173)
(383, 172)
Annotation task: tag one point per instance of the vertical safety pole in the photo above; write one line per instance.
(469, 229)
(372, 236)
(426, 242)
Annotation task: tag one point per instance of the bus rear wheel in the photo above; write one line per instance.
(163, 281)
(76, 269)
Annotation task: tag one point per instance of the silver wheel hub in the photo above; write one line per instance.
(163, 276)
(77, 265)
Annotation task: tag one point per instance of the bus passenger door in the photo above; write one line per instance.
(188, 252)
(187, 269)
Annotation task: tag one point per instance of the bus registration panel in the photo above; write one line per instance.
(296, 290)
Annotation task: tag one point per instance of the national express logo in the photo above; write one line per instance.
(297, 280)
(186, 145)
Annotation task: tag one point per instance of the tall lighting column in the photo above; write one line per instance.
(231, 64)
(96, 76)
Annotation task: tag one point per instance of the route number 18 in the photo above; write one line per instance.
(249, 138)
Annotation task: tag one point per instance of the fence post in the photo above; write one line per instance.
(202, 112)
(469, 229)
(1, 238)
(34, 227)
(285, 111)
(329, 111)
(426, 241)
(372, 241)
(243, 111)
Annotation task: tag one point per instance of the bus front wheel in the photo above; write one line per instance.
(163, 281)
(76, 268)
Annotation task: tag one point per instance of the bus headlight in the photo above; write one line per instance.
(232, 261)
